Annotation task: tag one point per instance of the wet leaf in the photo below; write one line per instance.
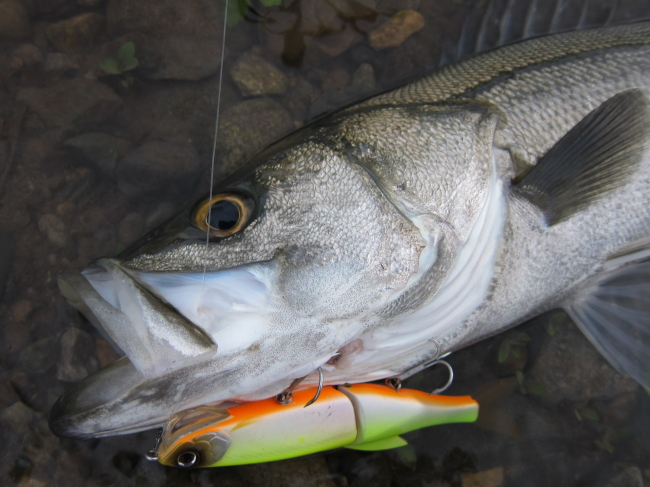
(522, 337)
(110, 66)
(516, 352)
(270, 3)
(537, 388)
(504, 351)
(237, 12)
(129, 64)
(126, 53)
(587, 413)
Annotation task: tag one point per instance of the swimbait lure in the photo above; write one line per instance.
(366, 417)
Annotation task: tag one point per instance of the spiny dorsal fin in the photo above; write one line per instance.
(593, 158)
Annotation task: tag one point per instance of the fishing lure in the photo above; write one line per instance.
(361, 417)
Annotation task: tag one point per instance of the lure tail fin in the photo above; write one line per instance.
(613, 310)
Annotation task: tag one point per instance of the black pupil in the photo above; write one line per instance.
(224, 215)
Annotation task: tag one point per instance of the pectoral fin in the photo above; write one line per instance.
(613, 311)
(385, 444)
(593, 158)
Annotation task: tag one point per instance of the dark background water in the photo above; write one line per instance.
(96, 149)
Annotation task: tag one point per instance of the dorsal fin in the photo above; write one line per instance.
(593, 158)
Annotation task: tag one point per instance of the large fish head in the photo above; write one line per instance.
(260, 283)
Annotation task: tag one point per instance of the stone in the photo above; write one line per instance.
(255, 76)
(157, 167)
(76, 345)
(396, 30)
(299, 97)
(104, 353)
(29, 55)
(78, 33)
(7, 250)
(72, 104)
(572, 370)
(391, 7)
(247, 128)
(63, 62)
(131, 228)
(180, 58)
(197, 19)
(102, 151)
(363, 79)
(39, 356)
(52, 226)
(276, 474)
(336, 78)
(21, 310)
(21, 219)
(488, 478)
(14, 20)
(336, 43)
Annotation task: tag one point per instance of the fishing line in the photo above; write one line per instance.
(212, 163)
(214, 148)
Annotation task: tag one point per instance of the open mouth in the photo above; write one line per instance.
(167, 325)
(154, 336)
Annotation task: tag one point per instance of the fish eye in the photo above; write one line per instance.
(187, 459)
(225, 213)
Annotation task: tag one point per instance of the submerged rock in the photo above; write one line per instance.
(39, 356)
(181, 58)
(396, 30)
(76, 34)
(76, 346)
(7, 248)
(52, 226)
(101, 150)
(198, 18)
(488, 478)
(158, 167)
(571, 369)
(14, 20)
(70, 104)
(255, 76)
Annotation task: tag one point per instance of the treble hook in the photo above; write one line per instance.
(451, 376)
(286, 396)
(320, 388)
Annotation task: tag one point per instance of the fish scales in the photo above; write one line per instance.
(393, 231)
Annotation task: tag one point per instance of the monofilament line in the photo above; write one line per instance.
(214, 144)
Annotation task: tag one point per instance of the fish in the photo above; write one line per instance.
(367, 417)
(389, 234)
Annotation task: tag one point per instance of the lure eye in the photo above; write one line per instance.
(187, 459)
(224, 214)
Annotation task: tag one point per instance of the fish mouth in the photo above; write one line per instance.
(156, 339)
(167, 326)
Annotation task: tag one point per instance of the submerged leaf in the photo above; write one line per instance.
(110, 66)
(126, 53)
(504, 351)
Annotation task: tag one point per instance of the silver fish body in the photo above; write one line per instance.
(400, 229)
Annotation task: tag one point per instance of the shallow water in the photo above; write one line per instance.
(94, 151)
